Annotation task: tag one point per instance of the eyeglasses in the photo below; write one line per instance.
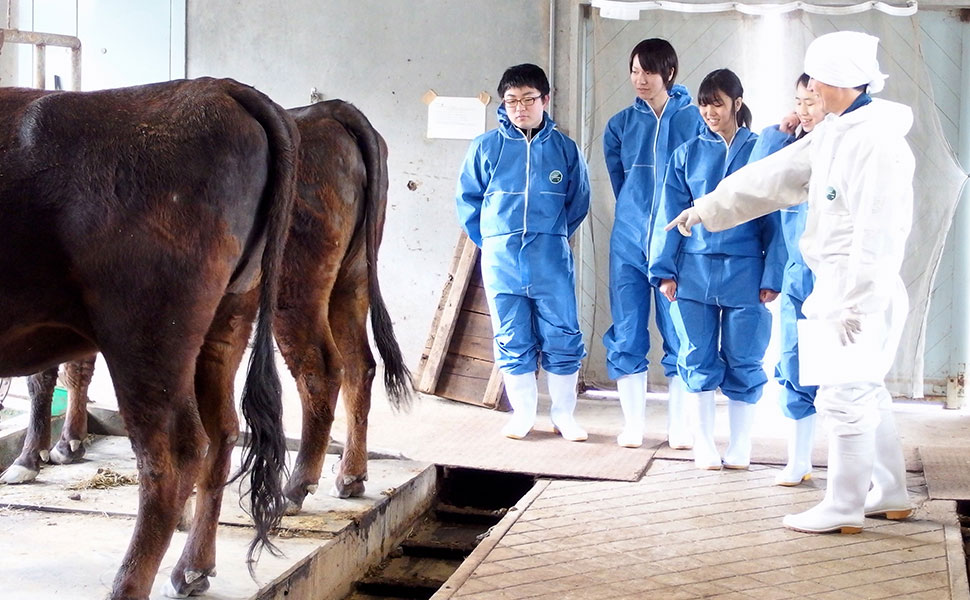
(526, 102)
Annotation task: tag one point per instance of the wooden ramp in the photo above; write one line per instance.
(457, 362)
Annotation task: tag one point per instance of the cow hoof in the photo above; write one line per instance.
(292, 508)
(192, 583)
(18, 474)
(192, 576)
(295, 495)
(45, 456)
(65, 453)
(348, 487)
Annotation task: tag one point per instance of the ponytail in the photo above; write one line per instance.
(744, 116)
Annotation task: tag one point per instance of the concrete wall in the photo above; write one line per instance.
(382, 55)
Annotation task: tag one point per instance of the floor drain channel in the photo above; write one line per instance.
(468, 503)
(963, 514)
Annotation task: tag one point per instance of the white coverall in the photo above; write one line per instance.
(859, 172)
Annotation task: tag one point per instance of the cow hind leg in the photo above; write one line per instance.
(311, 358)
(26, 467)
(169, 444)
(214, 381)
(348, 315)
(70, 447)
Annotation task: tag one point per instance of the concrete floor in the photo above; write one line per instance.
(910, 546)
(60, 539)
(919, 422)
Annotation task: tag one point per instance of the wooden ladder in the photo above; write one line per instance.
(458, 363)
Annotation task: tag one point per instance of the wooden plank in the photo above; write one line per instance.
(458, 387)
(474, 346)
(475, 300)
(475, 324)
(468, 338)
(495, 388)
(468, 366)
(466, 389)
(453, 293)
(476, 279)
(452, 268)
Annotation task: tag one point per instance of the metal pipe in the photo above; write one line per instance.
(40, 66)
(552, 48)
(35, 38)
(76, 69)
(40, 41)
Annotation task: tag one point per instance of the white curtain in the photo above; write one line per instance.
(766, 52)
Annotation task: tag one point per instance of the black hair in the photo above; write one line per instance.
(524, 75)
(803, 80)
(724, 80)
(656, 55)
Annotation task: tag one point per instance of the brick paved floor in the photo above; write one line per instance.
(685, 533)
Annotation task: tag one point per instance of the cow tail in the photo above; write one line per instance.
(264, 455)
(397, 376)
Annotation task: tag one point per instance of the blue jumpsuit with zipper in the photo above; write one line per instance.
(519, 200)
(724, 328)
(797, 401)
(637, 145)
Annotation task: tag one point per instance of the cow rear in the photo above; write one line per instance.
(125, 217)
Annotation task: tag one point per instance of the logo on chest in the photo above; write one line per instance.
(830, 193)
(555, 176)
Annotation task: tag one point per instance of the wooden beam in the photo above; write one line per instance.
(494, 389)
(453, 294)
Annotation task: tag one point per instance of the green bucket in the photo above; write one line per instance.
(59, 402)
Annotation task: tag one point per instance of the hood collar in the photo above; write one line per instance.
(677, 97)
(510, 131)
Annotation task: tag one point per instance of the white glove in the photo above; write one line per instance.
(851, 326)
(684, 221)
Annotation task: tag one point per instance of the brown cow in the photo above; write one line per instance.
(327, 283)
(130, 222)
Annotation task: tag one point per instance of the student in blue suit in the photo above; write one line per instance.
(797, 400)
(637, 145)
(718, 283)
(522, 192)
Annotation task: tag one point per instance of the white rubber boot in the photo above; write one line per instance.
(800, 442)
(633, 400)
(705, 452)
(524, 398)
(562, 390)
(888, 496)
(740, 420)
(849, 472)
(678, 422)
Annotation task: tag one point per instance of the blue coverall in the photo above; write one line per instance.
(637, 145)
(519, 200)
(797, 401)
(724, 328)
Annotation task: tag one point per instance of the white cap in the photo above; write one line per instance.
(845, 59)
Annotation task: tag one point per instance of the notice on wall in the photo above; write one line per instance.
(456, 117)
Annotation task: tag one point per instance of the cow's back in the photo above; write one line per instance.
(111, 201)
